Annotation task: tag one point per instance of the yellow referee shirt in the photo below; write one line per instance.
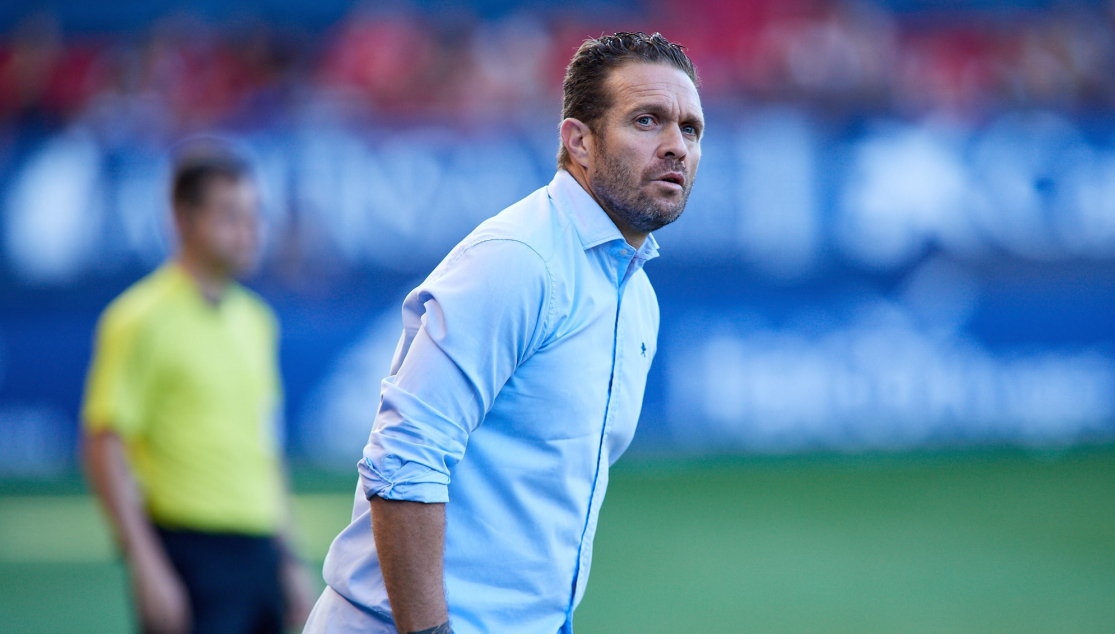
(193, 389)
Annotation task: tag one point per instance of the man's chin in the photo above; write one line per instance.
(659, 217)
(241, 269)
(668, 207)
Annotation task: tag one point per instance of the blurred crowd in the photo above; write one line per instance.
(183, 73)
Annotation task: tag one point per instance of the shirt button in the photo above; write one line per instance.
(625, 252)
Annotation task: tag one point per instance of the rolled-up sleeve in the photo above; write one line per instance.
(466, 329)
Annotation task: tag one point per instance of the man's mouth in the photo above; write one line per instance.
(673, 178)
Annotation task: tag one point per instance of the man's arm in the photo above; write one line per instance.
(161, 597)
(410, 540)
(299, 591)
(466, 331)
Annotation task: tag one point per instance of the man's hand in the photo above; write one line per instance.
(410, 540)
(161, 598)
(299, 593)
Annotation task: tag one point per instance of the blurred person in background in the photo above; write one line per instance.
(530, 343)
(180, 415)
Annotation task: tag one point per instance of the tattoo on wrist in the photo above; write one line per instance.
(440, 629)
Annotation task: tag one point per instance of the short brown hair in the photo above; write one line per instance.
(584, 96)
(196, 169)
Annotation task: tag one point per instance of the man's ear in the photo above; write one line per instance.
(577, 139)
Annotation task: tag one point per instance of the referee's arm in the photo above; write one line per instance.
(163, 603)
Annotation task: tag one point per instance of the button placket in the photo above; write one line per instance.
(596, 500)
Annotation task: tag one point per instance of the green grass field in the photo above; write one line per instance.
(1001, 541)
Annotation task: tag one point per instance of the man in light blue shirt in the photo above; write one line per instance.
(519, 376)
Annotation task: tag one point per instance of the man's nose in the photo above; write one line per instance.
(672, 144)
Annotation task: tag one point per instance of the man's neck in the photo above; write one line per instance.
(633, 237)
(212, 281)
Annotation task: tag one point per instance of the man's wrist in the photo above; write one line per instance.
(143, 553)
(440, 629)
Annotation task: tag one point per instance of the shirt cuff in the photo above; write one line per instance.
(408, 481)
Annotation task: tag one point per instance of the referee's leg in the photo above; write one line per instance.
(233, 581)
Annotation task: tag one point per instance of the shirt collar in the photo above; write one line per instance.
(649, 250)
(592, 223)
(185, 280)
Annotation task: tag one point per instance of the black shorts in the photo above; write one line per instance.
(233, 580)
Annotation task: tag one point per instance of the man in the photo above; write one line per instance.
(529, 345)
(182, 400)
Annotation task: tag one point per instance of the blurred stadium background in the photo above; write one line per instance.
(884, 398)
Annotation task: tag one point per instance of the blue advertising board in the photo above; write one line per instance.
(861, 284)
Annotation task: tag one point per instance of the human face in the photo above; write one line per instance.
(223, 234)
(646, 149)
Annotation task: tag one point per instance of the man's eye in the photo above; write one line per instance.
(645, 120)
(689, 129)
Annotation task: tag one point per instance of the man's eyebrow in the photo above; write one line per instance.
(694, 119)
(651, 108)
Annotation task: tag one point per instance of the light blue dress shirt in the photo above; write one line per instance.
(516, 384)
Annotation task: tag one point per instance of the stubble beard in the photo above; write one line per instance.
(622, 192)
